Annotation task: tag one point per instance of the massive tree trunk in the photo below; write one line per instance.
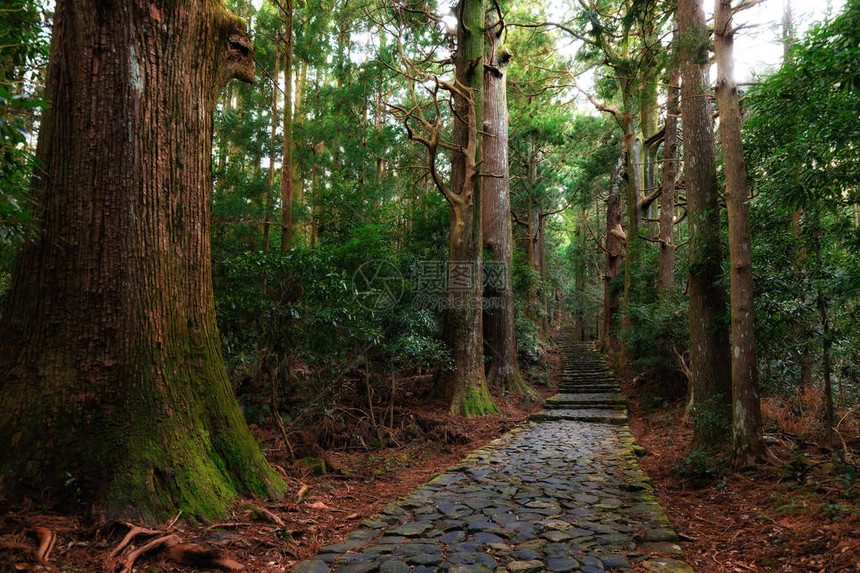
(710, 381)
(499, 329)
(114, 391)
(666, 262)
(614, 248)
(747, 443)
(287, 181)
(465, 387)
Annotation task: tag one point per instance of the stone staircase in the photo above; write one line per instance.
(588, 391)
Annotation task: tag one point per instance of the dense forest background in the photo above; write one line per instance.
(330, 234)
(361, 262)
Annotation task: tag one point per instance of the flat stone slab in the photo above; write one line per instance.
(556, 495)
(590, 399)
(588, 388)
(594, 416)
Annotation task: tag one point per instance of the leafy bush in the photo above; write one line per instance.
(699, 467)
(301, 312)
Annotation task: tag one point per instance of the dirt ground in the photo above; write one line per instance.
(797, 512)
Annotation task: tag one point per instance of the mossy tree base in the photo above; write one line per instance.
(513, 382)
(475, 400)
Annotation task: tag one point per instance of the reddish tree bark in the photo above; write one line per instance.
(710, 382)
(666, 261)
(747, 440)
(500, 340)
(466, 386)
(614, 252)
(114, 389)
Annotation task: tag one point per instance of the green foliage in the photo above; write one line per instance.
(698, 468)
(801, 141)
(276, 311)
(661, 335)
(804, 129)
(709, 415)
(23, 53)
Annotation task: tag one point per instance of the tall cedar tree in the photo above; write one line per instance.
(499, 329)
(747, 444)
(710, 383)
(465, 387)
(114, 384)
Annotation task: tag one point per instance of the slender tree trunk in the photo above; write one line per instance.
(287, 181)
(500, 338)
(114, 392)
(633, 168)
(581, 273)
(614, 248)
(666, 261)
(465, 387)
(648, 114)
(298, 120)
(710, 380)
(541, 261)
(827, 341)
(747, 443)
(270, 181)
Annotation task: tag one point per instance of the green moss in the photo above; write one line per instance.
(476, 401)
(513, 382)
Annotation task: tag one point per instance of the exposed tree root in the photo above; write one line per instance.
(129, 537)
(47, 540)
(184, 553)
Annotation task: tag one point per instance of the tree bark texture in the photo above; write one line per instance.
(114, 386)
(614, 252)
(465, 387)
(500, 340)
(633, 169)
(648, 114)
(747, 441)
(666, 261)
(710, 381)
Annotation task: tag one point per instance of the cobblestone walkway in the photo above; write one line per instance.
(562, 493)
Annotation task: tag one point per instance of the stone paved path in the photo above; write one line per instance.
(561, 493)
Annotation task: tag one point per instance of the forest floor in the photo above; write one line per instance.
(272, 535)
(798, 512)
(797, 515)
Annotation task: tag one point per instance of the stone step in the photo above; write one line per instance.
(583, 406)
(599, 416)
(591, 400)
(592, 389)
